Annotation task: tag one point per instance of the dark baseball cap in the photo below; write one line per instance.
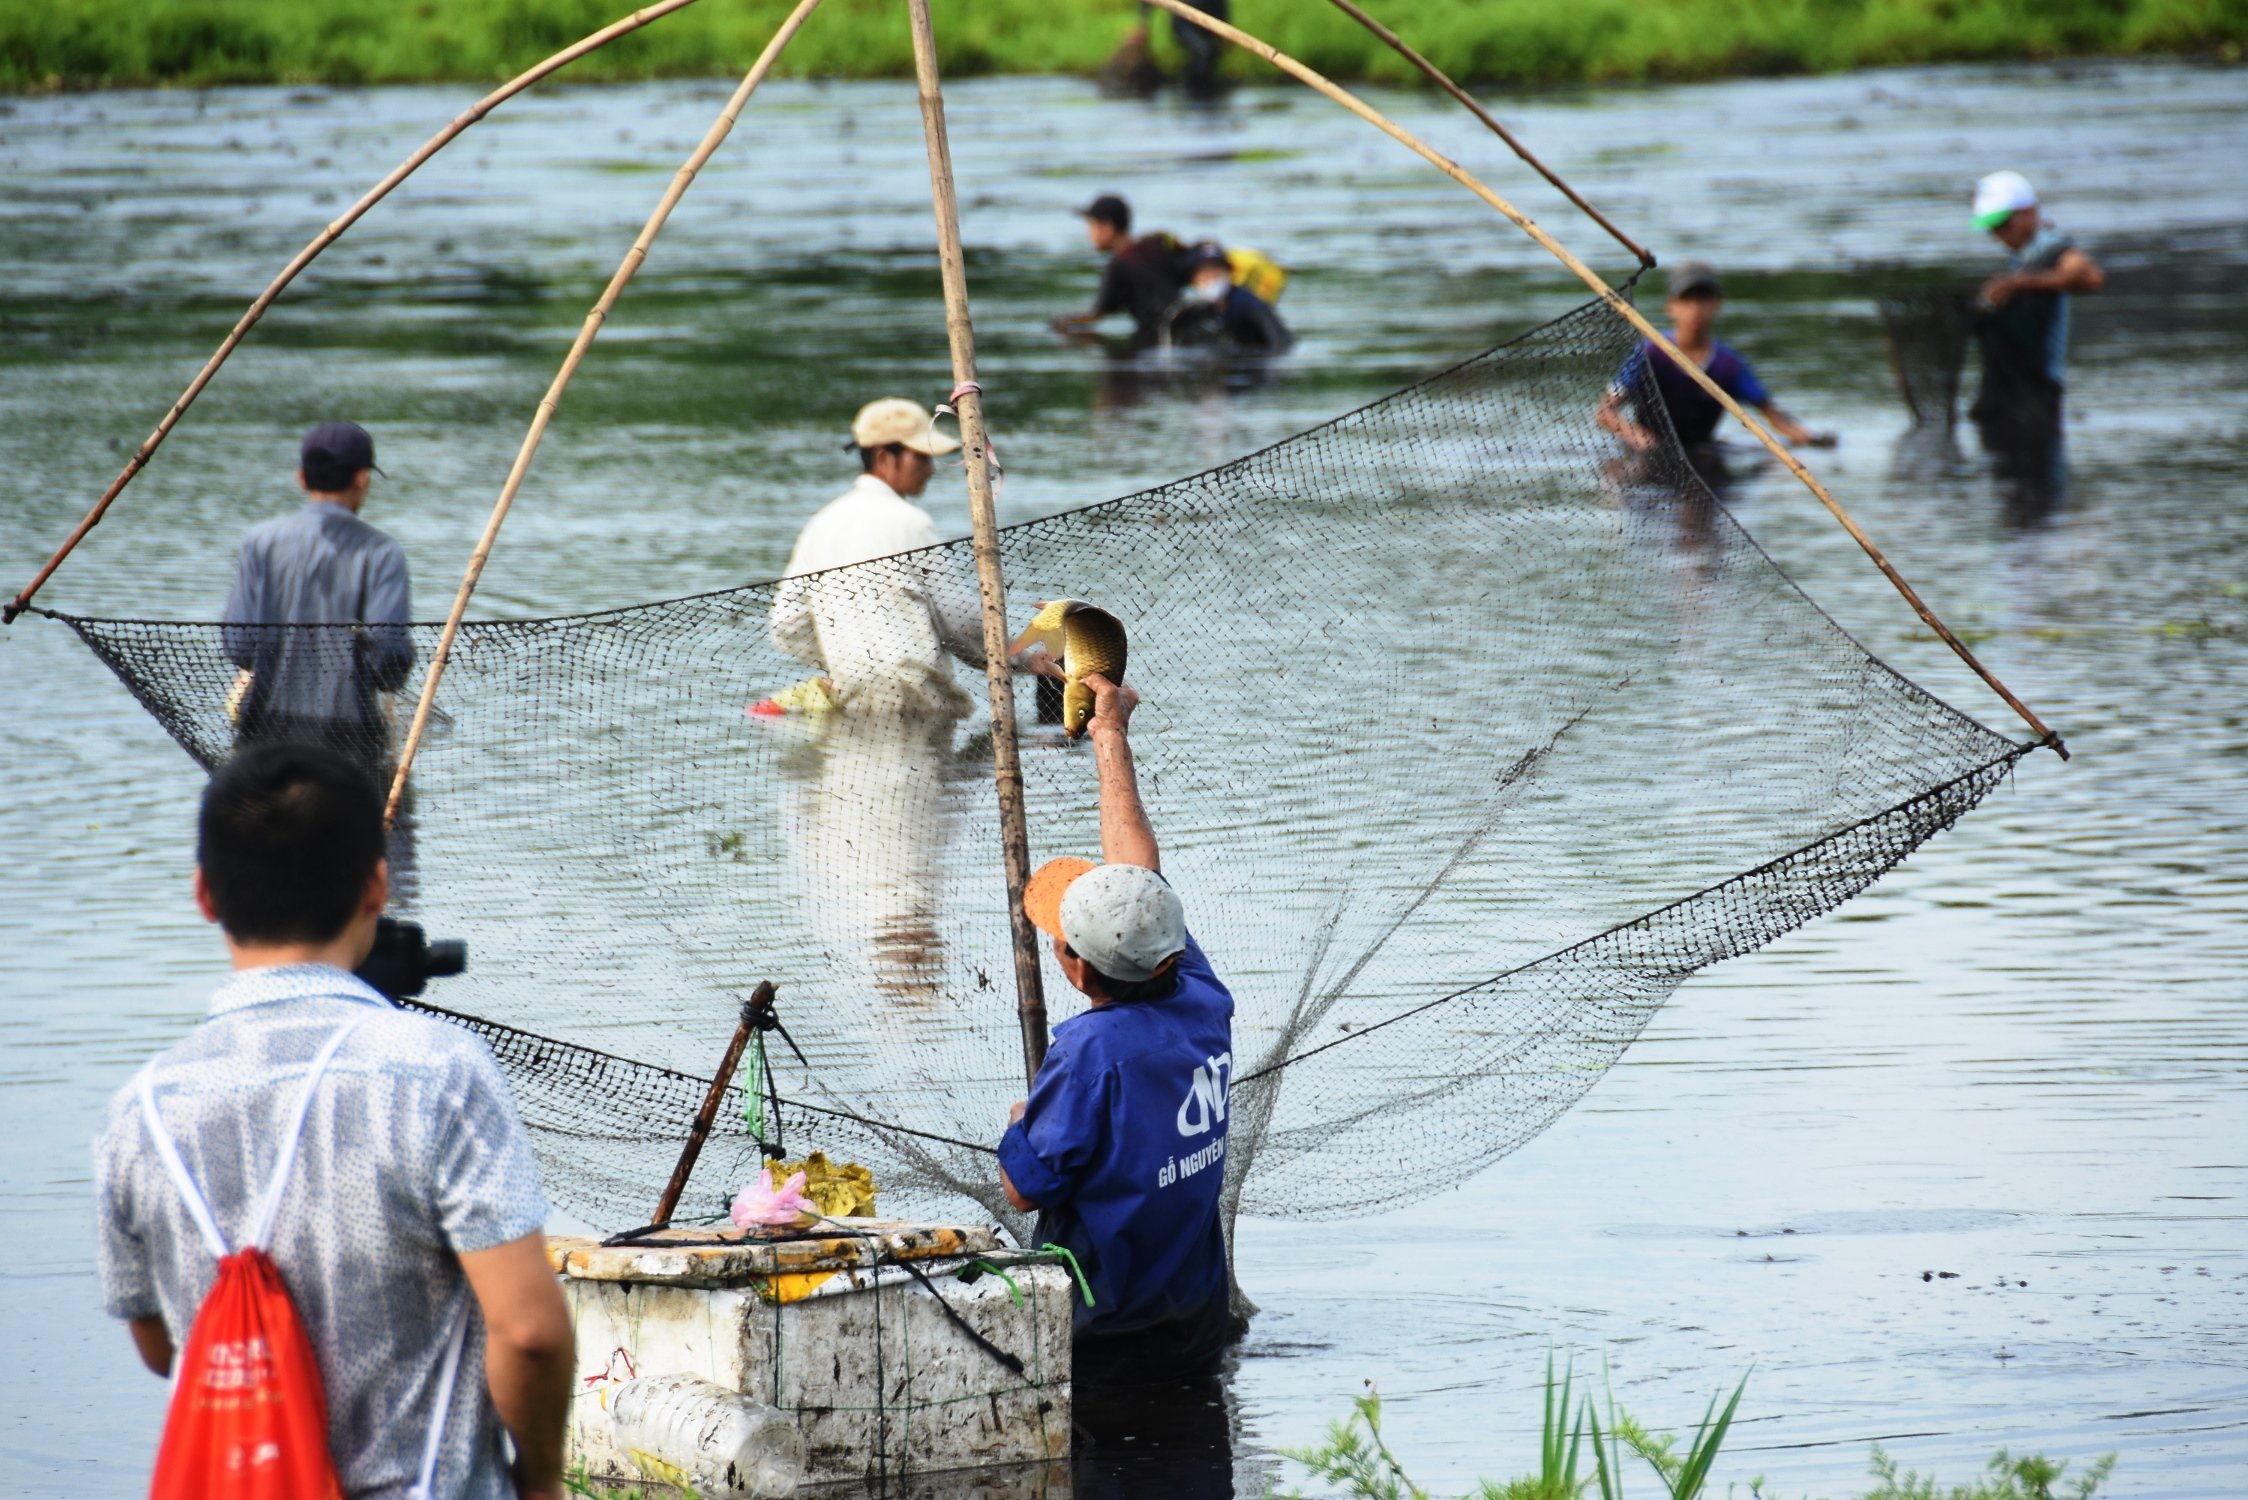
(1109, 209)
(333, 453)
(1695, 278)
(1207, 253)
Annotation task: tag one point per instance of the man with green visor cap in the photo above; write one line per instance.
(2024, 323)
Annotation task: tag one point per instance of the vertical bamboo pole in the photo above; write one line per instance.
(633, 258)
(1623, 309)
(967, 399)
(310, 253)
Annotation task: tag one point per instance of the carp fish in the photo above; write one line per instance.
(1084, 638)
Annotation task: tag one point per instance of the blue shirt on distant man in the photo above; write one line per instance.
(1650, 376)
(1121, 1144)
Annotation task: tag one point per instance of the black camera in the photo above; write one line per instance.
(404, 961)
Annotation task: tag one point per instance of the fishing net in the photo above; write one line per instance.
(1928, 334)
(1468, 737)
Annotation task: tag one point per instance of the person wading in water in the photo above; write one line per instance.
(1121, 1145)
(1696, 298)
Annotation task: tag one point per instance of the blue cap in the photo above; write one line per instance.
(333, 453)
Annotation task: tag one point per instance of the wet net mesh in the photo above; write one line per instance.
(1467, 737)
(1928, 335)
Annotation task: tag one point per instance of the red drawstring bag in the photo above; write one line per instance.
(249, 1416)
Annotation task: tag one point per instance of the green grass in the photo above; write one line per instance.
(47, 44)
(1357, 1462)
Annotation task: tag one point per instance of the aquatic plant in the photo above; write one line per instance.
(1357, 1461)
(579, 1482)
(2031, 1477)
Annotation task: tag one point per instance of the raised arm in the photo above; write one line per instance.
(1127, 838)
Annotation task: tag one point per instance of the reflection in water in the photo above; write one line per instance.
(862, 808)
(1132, 1442)
(2029, 460)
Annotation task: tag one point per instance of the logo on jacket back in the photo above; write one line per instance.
(1204, 1104)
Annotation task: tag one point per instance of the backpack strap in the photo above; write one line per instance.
(197, 1209)
(269, 1210)
(447, 1378)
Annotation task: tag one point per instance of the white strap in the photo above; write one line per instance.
(269, 1210)
(198, 1208)
(447, 1378)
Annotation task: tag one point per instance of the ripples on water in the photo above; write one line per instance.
(2018, 1059)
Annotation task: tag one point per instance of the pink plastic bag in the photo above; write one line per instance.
(762, 1204)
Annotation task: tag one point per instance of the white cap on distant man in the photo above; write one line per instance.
(2000, 196)
(1124, 920)
(896, 420)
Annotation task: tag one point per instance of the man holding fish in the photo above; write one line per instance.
(1121, 1145)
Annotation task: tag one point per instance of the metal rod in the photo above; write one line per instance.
(311, 252)
(1405, 50)
(761, 997)
(553, 397)
(1623, 309)
(1014, 833)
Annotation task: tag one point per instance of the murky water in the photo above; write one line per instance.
(2018, 1060)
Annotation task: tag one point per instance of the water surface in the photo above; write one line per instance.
(2019, 1059)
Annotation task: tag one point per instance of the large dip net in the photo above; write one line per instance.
(1467, 738)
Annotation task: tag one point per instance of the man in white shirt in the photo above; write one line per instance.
(883, 632)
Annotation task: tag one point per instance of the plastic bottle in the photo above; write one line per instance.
(719, 1442)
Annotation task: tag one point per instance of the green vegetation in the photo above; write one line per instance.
(1356, 1460)
(46, 44)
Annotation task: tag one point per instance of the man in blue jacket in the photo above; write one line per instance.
(1121, 1145)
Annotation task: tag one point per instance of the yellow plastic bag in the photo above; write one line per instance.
(843, 1190)
(1257, 271)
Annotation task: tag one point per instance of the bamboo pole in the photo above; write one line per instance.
(967, 399)
(310, 253)
(593, 320)
(1623, 309)
(705, 1117)
(1434, 75)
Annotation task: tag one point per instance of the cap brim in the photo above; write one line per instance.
(1042, 898)
(1997, 216)
(937, 444)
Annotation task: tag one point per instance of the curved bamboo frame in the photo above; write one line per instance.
(553, 398)
(1623, 309)
(310, 253)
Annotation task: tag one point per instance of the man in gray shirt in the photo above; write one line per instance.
(410, 1227)
(317, 619)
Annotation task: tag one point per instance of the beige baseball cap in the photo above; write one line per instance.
(894, 419)
(1124, 920)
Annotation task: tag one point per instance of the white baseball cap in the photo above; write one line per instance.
(896, 420)
(1999, 196)
(1124, 920)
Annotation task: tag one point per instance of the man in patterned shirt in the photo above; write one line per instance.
(414, 1200)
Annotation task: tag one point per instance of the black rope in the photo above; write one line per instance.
(1011, 1363)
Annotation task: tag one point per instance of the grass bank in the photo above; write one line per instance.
(49, 44)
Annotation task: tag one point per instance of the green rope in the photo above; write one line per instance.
(1075, 1269)
(984, 1265)
(753, 1092)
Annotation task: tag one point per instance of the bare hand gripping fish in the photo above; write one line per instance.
(1083, 638)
